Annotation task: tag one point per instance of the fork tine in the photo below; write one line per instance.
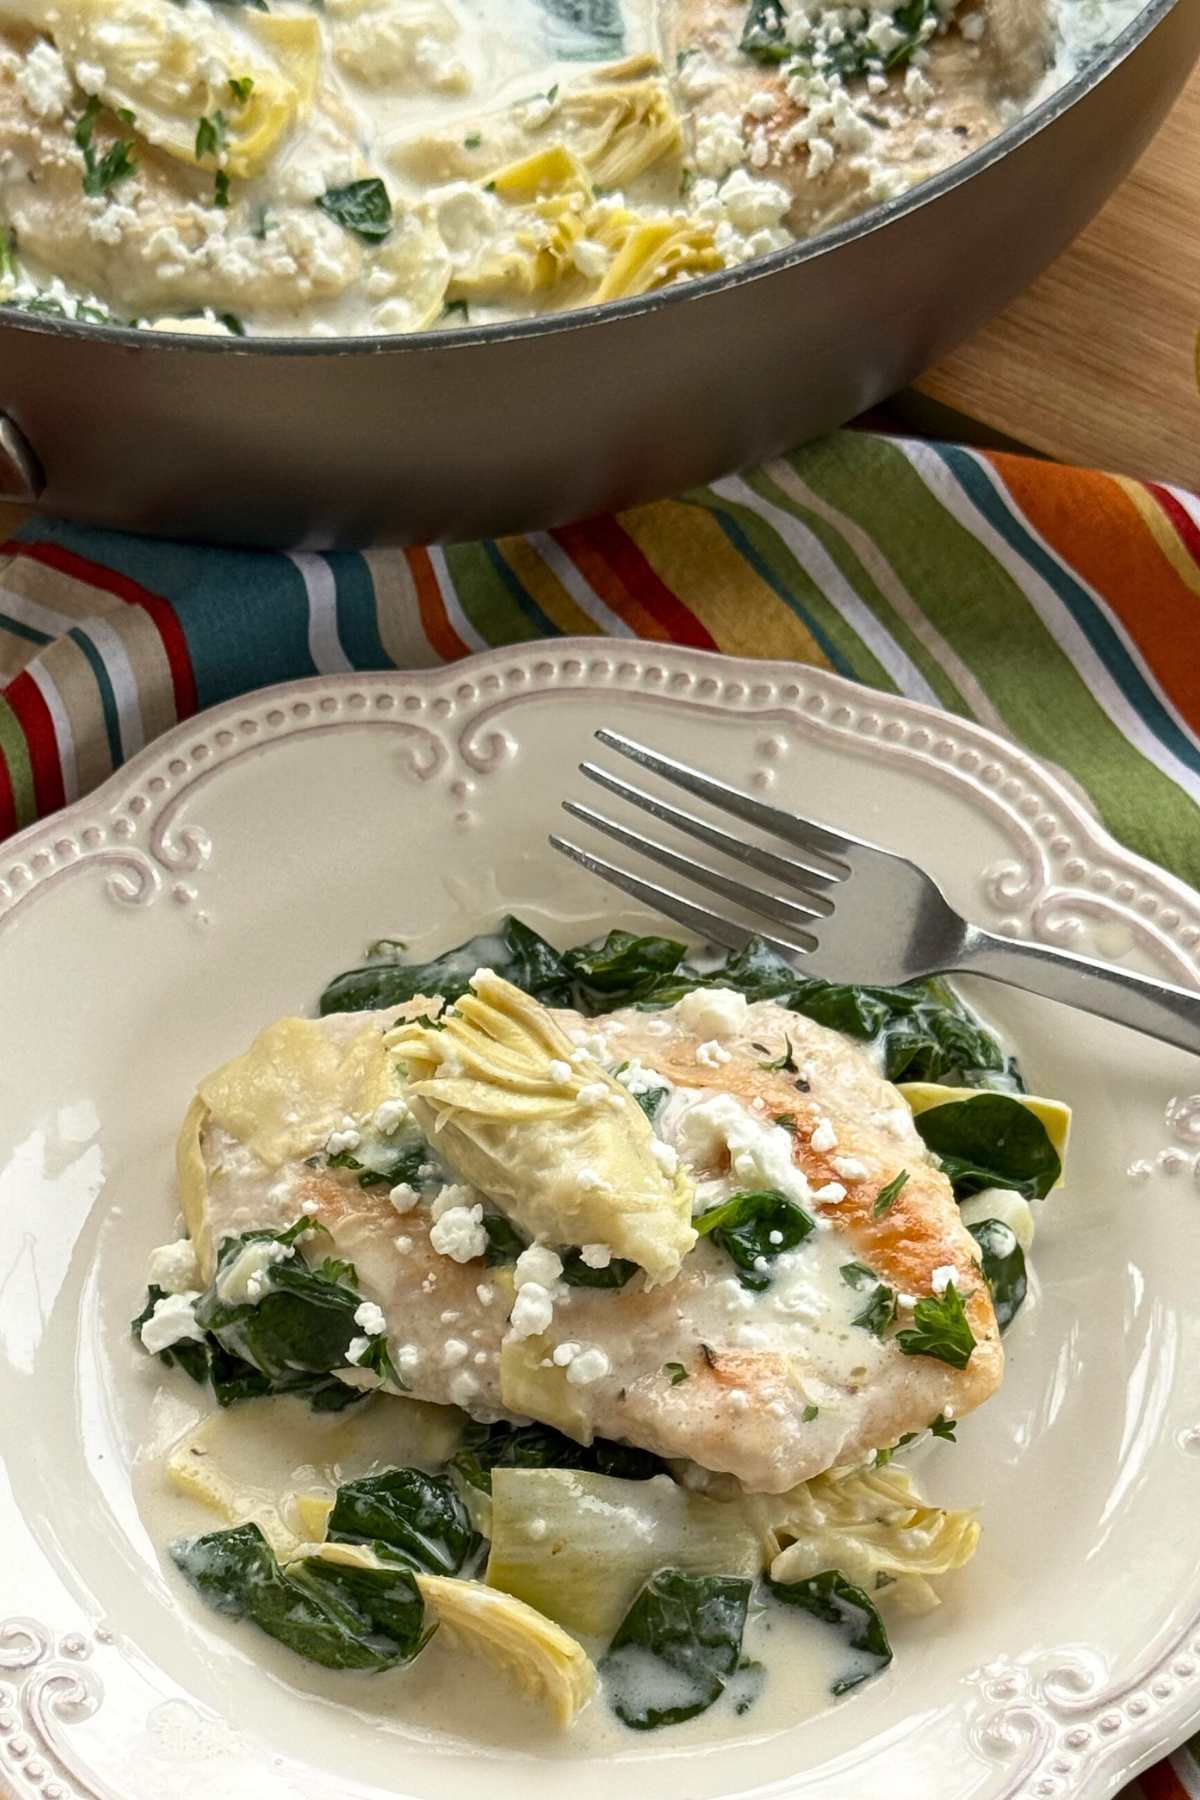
(780, 868)
(804, 832)
(784, 912)
(707, 925)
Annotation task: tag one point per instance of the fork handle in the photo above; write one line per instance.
(1158, 1008)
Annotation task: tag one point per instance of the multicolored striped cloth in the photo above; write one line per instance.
(1058, 606)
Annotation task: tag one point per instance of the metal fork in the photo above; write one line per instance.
(859, 913)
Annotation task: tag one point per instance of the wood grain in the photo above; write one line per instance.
(1097, 362)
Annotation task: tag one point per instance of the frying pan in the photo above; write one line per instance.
(472, 432)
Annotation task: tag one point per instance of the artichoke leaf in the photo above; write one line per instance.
(570, 1160)
(537, 1656)
(171, 66)
(875, 1527)
(579, 1546)
(294, 1085)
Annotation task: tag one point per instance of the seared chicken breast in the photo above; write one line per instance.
(769, 1368)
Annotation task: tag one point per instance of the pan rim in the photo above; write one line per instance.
(864, 225)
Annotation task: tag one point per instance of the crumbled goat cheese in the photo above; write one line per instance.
(559, 1070)
(712, 1054)
(44, 81)
(403, 1197)
(454, 1351)
(824, 1137)
(174, 1268)
(666, 1156)
(831, 1193)
(712, 1012)
(942, 1277)
(596, 1256)
(459, 1233)
(849, 1168)
(454, 1195)
(463, 1388)
(348, 1138)
(537, 1264)
(390, 1115)
(369, 1318)
(173, 1321)
(533, 1309)
(588, 1366)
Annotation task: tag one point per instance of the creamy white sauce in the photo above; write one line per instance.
(433, 98)
(449, 1696)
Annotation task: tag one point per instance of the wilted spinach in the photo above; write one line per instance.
(329, 1613)
(991, 1140)
(855, 54)
(584, 29)
(232, 1379)
(685, 1630)
(502, 1446)
(1004, 1267)
(513, 950)
(505, 1242)
(614, 1274)
(924, 1031)
(418, 1517)
(756, 1228)
(836, 1601)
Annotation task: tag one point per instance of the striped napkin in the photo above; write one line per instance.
(1058, 606)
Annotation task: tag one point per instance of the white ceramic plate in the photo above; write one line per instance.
(226, 872)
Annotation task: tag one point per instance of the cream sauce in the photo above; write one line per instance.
(433, 98)
(447, 1696)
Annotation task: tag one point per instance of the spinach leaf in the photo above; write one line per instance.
(577, 1273)
(940, 1328)
(621, 969)
(1004, 1267)
(584, 29)
(340, 1617)
(512, 950)
(754, 1229)
(419, 1517)
(388, 1164)
(232, 1379)
(680, 1642)
(304, 1320)
(763, 36)
(505, 1242)
(836, 1601)
(362, 207)
(991, 1140)
(502, 1446)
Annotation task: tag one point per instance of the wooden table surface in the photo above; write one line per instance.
(1097, 362)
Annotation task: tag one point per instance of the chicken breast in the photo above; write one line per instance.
(836, 147)
(772, 1384)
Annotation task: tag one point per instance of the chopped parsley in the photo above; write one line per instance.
(940, 1328)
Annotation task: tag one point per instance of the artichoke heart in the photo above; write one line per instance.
(874, 1526)
(570, 1160)
(541, 1660)
(170, 67)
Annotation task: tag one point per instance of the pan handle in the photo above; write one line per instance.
(21, 476)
